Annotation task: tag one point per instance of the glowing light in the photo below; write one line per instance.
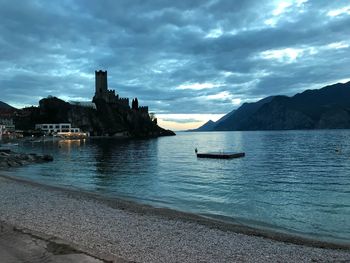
(270, 22)
(340, 11)
(281, 8)
(284, 7)
(224, 96)
(226, 73)
(236, 101)
(215, 33)
(178, 122)
(219, 96)
(288, 55)
(338, 45)
(198, 86)
(342, 81)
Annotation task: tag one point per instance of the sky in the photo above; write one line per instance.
(189, 61)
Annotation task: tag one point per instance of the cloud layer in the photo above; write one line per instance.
(178, 57)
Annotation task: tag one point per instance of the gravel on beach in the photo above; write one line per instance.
(125, 235)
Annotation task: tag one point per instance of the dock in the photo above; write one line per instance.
(221, 155)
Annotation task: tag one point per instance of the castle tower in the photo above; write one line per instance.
(101, 86)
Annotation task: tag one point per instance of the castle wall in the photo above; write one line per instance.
(143, 109)
(102, 92)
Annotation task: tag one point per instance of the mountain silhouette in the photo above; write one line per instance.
(6, 106)
(325, 108)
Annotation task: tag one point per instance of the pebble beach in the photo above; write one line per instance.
(119, 231)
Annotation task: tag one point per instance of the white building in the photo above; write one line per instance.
(56, 127)
(8, 125)
(2, 129)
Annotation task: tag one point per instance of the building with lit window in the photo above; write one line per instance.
(2, 129)
(56, 127)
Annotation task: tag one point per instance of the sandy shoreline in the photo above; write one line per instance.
(124, 231)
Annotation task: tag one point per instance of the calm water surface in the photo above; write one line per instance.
(289, 181)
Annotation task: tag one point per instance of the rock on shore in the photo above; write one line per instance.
(9, 158)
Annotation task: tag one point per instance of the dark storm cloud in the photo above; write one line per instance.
(175, 56)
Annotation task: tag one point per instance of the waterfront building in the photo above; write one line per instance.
(2, 130)
(6, 119)
(50, 128)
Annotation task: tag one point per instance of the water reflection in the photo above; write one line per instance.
(117, 162)
(68, 144)
(290, 180)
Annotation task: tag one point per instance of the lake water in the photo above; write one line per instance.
(291, 181)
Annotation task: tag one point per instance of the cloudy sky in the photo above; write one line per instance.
(189, 61)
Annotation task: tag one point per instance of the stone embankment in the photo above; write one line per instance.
(9, 158)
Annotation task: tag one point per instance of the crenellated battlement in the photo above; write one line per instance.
(143, 109)
(101, 72)
(103, 93)
(124, 100)
(111, 96)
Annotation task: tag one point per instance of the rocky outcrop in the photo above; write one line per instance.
(276, 115)
(9, 158)
(106, 120)
(337, 118)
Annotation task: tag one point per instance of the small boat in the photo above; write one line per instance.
(220, 155)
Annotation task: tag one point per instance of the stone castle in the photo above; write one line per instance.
(103, 93)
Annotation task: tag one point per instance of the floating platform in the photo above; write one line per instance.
(220, 155)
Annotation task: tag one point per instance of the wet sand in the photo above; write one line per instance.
(127, 232)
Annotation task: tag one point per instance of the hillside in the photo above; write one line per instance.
(106, 120)
(241, 116)
(325, 108)
(208, 126)
(5, 106)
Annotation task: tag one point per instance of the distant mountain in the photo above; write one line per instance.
(208, 126)
(4, 105)
(225, 117)
(240, 117)
(326, 108)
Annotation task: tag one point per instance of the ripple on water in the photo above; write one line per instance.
(289, 180)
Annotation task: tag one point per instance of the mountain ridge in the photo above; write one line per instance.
(6, 106)
(324, 108)
(208, 126)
